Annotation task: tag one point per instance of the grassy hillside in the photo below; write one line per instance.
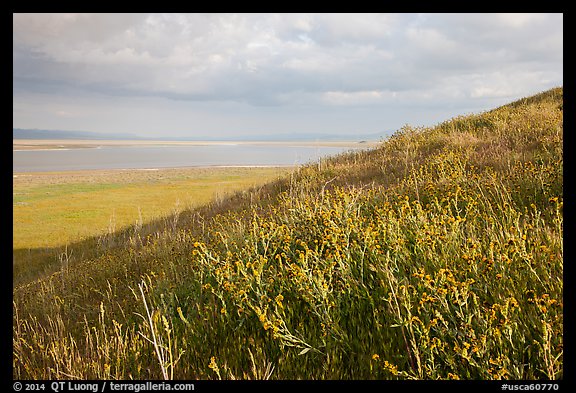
(438, 255)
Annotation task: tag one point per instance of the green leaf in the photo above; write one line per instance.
(302, 352)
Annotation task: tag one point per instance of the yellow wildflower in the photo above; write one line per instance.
(390, 367)
(213, 366)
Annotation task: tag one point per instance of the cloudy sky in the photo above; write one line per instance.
(187, 75)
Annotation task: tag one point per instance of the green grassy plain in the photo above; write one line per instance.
(438, 255)
(52, 210)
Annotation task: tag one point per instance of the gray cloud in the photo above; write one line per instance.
(290, 60)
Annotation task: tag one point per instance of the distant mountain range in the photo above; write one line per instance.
(20, 133)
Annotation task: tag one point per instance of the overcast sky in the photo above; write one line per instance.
(236, 74)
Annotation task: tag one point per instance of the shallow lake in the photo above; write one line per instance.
(167, 156)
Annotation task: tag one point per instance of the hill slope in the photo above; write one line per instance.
(437, 255)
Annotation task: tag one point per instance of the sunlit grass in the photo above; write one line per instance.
(438, 255)
(56, 208)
